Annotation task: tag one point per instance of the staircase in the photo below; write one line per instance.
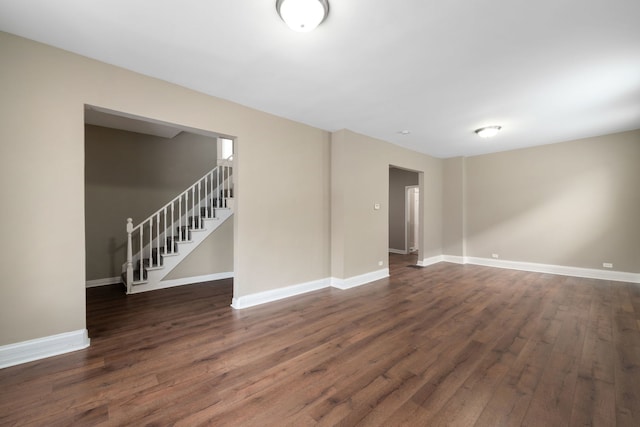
(159, 243)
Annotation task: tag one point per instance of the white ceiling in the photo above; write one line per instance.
(546, 70)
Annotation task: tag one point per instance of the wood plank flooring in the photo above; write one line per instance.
(446, 345)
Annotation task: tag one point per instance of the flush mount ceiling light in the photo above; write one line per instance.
(488, 131)
(302, 15)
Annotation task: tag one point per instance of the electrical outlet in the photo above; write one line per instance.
(607, 265)
(495, 256)
(380, 263)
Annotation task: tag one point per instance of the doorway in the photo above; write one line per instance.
(400, 180)
(412, 218)
(406, 217)
(133, 166)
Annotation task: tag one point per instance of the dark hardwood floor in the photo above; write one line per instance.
(444, 345)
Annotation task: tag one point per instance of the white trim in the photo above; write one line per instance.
(164, 284)
(430, 261)
(103, 282)
(590, 273)
(397, 251)
(251, 300)
(53, 345)
(351, 282)
(454, 259)
(362, 279)
(278, 294)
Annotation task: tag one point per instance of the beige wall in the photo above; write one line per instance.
(281, 224)
(574, 203)
(359, 179)
(213, 255)
(399, 179)
(453, 206)
(304, 199)
(129, 174)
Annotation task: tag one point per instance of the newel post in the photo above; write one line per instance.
(129, 255)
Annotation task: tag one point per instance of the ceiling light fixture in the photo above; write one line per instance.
(302, 15)
(488, 131)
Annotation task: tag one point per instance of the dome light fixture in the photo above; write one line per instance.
(302, 15)
(488, 131)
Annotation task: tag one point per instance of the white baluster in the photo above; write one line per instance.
(211, 194)
(206, 191)
(129, 255)
(199, 204)
(180, 217)
(173, 239)
(141, 250)
(150, 241)
(219, 200)
(186, 216)
(164, 231)
(226, 185)
(157, 240)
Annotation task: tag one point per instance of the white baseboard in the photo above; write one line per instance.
(454, 259)
(362, 279)
(277, 294)
(53, 345)
(398, 251)
(251, 300)
(103, 282)
(351, 282)
(430, 261)
(589, 273)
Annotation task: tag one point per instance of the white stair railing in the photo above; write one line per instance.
(158, 235)
(224, 191)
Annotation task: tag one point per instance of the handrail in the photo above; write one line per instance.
(176, 198)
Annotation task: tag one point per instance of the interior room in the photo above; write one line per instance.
(352, 213)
